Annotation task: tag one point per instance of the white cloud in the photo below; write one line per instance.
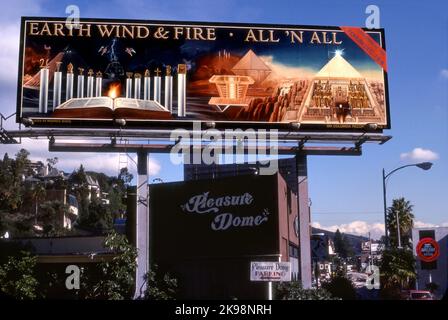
(444, 73)
(420, 154)
(10, 36)
(357, 227)
(9, 53)
(421, 224)
(362, 228)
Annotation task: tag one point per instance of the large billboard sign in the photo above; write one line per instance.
(215, 218)
(172, 73)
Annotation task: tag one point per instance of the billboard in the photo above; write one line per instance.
(207, 232)
(227, 217)
(168, 74)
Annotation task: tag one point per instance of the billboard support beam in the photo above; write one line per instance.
(166, 148)
(304, 221)
(143, 225)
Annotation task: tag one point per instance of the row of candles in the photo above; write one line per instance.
(94, 87)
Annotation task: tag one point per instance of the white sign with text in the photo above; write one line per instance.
(270, 271)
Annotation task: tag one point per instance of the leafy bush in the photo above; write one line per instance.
(341, 287)
(160, 288)
(117, 275)
(17, 277)
(294, 291)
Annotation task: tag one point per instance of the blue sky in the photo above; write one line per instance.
(345, 191)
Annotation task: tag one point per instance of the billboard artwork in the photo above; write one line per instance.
(165, 73)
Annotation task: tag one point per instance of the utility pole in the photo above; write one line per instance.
(370, 251)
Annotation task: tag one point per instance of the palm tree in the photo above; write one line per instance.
(38, 193)
(402, 209)
(397, 270)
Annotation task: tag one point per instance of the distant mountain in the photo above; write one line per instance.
(354, 240)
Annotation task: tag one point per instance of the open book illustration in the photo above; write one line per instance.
(106, 107)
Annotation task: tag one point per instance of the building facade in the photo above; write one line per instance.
(436, 271)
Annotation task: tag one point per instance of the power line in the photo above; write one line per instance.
(345, 212)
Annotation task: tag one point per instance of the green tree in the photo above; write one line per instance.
(11, 180)
(125, 176)
(342, 245)
(52, 217)
(80, 188)
(341, 287)
(38, 193)
(100, 217)
(17, 277)
(338, 244)
(114, 278)
(159, 287)
(403, 209)
(52, 162)
(397, 271)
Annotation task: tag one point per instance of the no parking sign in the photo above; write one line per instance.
(428, 250)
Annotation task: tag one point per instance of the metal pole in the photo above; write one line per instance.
(370, 254)
(270, 290)
(305, 262)
(398, 231)
(142, 227)
(386, 238)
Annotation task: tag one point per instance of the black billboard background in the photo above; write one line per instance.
(212, 264)
(178, 234)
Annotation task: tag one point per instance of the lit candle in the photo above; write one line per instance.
(69, 84)
(169, 89)
(80, 91)
(90, 84)
(181, 90)
(129, 85)
(157, 86)
(147, 86)
(57, 86)
(43, 89)
(98, 84)
(137, 85)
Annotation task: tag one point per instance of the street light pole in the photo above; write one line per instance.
(424, 166)
(398, 231)
(386, 237)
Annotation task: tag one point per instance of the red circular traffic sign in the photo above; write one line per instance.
(428, 250)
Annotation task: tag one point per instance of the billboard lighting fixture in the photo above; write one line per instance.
(27, 122)
(210, 125)
(295, 125)
(121, 122)
(371, 126)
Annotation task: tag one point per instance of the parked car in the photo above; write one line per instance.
(420, 295)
